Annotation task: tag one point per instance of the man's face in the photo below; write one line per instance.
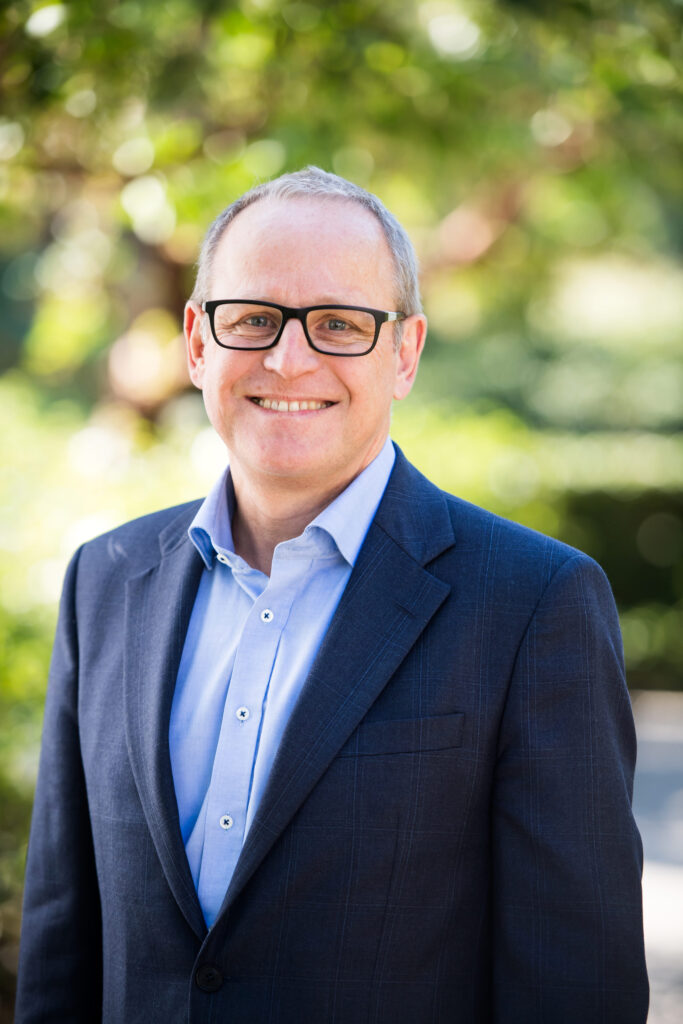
(302, 252)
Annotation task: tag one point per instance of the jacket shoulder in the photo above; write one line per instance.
(138, 542)
(464, 542)
(512, 535)
(416, 508)
(518, 563)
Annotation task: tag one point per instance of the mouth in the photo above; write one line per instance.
(295, 405)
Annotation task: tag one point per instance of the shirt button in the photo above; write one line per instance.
(223, 559)
(226, 821)
(266, 615)
(243, 714)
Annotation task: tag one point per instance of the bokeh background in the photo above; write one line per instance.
(532, 149)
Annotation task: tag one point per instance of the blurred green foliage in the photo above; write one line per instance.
(531, 149)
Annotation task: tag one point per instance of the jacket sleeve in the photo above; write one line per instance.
(567, 856)
(61, 944)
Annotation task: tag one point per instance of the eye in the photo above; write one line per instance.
(336, 324)
(257, 320)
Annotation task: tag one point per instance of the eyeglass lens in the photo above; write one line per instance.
(250, 325)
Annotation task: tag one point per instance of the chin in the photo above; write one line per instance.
(296, 469)
(282, 460)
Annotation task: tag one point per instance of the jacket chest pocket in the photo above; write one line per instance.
(395, 801)
(404, 736)
(406, 773)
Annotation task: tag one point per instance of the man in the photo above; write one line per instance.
(332, 745)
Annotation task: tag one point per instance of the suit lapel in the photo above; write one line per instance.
(387, 603)
(158, 608)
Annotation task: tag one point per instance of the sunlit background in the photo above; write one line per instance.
(532, 149)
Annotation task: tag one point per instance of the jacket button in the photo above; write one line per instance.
(208, 978)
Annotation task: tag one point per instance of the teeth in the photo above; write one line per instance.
(296, 406)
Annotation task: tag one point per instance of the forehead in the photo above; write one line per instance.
(306, 243)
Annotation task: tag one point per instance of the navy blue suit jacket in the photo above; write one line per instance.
(446, 835)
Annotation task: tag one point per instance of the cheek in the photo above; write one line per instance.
(377, 393)
(218, 401)
(372, 383)
(221, 373)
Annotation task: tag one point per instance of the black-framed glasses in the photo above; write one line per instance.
(332, 330)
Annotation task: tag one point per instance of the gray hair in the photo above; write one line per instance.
(314, 182)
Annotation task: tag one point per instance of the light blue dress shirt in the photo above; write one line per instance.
(249, 646)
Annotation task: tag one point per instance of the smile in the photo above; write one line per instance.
(299, 405)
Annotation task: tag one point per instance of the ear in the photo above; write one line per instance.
(408, 355)
(194, 343)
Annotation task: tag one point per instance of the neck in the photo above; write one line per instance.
(267, 515)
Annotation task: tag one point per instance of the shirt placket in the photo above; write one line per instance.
(229, 791)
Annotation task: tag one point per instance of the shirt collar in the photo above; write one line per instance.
(346, 520)
(210, 530)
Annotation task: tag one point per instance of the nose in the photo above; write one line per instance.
(292, 356)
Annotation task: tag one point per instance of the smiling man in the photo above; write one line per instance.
(330, 745)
